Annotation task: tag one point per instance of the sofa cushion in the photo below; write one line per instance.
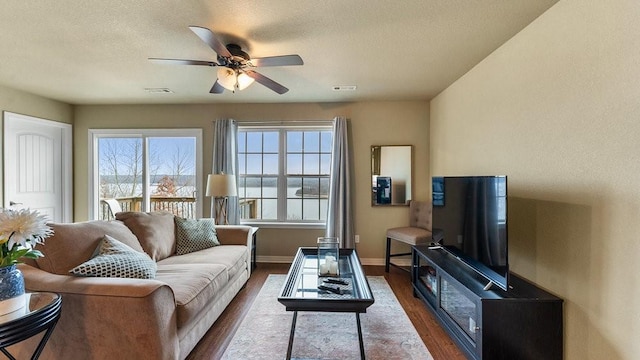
(74, 243)
(113, 258)
(155, 231)
(194, 235)
(232, 257)
(193, 285)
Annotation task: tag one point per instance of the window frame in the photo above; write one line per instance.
(144, 134)
(282, 128)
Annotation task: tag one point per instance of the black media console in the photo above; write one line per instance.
(522, 323)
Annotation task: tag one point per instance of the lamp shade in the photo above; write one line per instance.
(244, 81)
(227, 78)
(221, 185)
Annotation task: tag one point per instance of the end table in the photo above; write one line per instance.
(40, 313)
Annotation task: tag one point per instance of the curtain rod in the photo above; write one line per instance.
(284, 122)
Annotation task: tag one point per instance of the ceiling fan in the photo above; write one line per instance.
(235, 67)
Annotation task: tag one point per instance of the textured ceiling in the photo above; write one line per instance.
(95, 51)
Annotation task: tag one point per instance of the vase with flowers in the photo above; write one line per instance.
(20, 231)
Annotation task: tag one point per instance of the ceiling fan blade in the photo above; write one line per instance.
(182, 62)
(210, 38)
(267, 82)
(284, 60)
(216, 88)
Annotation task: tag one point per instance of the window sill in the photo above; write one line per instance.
(284, 225)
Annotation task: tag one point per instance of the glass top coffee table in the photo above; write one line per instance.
(300, 291)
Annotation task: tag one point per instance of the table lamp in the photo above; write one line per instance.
(220, 187)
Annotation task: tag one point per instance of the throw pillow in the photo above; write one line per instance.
(194, 235)
(154, 230)
(113, 258)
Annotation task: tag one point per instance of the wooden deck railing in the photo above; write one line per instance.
(179, 206)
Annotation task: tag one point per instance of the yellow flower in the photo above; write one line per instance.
(3, 240)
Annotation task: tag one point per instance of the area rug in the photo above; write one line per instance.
(387, 331)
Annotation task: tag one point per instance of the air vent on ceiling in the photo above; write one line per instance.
(344, 88)
(158, 91)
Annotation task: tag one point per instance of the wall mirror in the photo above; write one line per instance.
(391, 174)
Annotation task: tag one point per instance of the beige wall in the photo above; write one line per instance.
(20, 102)
(557, 109)
(379, 123)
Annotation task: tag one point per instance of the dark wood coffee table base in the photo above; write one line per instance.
(300, 292)
(293, 331)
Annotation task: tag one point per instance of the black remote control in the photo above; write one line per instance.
(336, 281)
(335, 290)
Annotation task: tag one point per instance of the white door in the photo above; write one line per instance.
(37, 165)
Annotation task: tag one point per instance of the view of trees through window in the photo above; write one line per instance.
(169, 165)
(284, 174)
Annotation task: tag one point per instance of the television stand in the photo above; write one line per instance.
(485, 321)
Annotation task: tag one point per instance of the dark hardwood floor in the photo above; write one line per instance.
(214, 343)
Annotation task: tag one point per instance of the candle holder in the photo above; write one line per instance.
(328, 255)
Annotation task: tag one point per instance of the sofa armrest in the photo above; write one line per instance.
(235, 234)
(107, 317)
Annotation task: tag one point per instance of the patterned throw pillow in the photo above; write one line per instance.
(194, 235)
(113, 258)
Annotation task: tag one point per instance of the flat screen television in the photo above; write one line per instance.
(470, 221)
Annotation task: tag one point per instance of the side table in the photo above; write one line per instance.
(40, 313)
(254, 232)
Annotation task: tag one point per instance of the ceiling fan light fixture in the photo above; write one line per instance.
(244, 81)
(227, 78)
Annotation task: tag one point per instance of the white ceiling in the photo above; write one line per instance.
(95, 51)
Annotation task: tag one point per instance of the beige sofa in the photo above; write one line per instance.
(124, 318)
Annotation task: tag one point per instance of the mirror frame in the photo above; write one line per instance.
(378, 181)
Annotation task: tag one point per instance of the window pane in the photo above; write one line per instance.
(307, 153)
(310, 188)
(269, 209)
(242, 164)
(294, 187)
(253, 187)
(270, 187)
(311, 141)
(171, 165)
(242, 141)
(270, 164)
(311, 164)
(294, 209)
(325, 142)
(324, 187)
(323, 209)
(271, 142)
(120, 170)
(254, 164)
(254, 142)
(294, 164)
(242, 183)
(310, 210)
(325, 164)
(294, 141)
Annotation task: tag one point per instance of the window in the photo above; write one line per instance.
(146, 170)
(284, 173)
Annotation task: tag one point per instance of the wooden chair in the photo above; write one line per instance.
(418, 231)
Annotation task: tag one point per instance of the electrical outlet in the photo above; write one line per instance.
(357, 239)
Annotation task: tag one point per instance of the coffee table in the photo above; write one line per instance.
(300, 290)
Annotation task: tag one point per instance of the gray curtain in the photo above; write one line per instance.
(225, 160)
(340, 209)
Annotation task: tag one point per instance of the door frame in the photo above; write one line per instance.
(67, 160)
